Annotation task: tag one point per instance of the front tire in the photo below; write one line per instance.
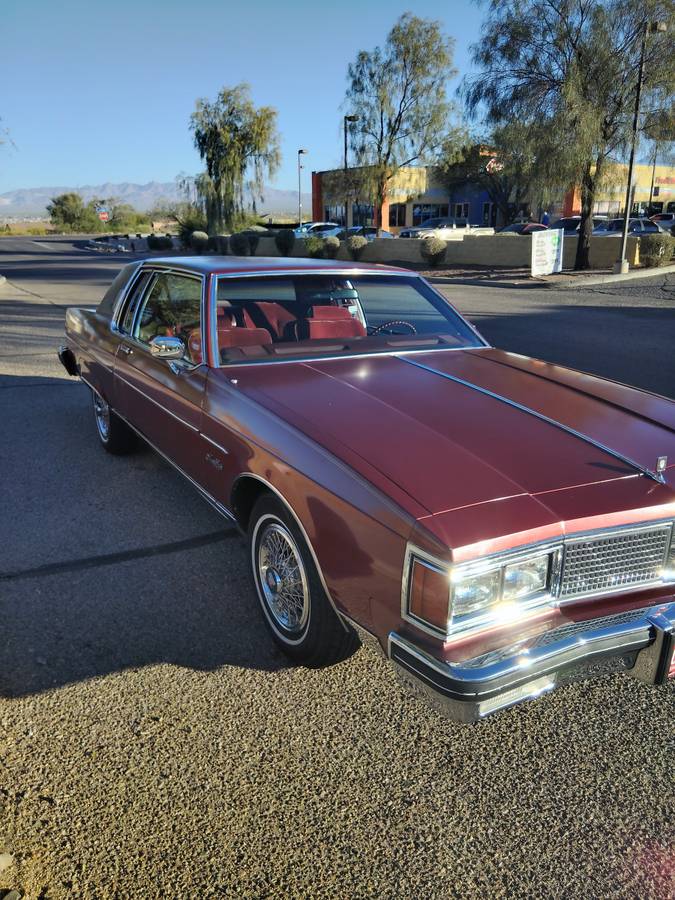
(292, 599)
(114, 434)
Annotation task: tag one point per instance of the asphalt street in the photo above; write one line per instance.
(153, 742)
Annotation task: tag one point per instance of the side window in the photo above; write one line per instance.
(127, 319)
(172, 308)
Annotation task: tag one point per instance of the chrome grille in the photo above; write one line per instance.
(614, 561)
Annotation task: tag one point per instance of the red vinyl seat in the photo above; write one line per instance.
(229, 335)
(329, 322)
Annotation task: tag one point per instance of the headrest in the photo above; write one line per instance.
(330, 312)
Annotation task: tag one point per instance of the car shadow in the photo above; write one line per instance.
(109, 563)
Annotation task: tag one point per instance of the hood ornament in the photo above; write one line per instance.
(661, 463)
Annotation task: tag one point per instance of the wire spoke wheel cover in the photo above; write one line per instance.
(102, 416)
(281, 577)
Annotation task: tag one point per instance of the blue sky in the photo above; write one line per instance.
(95, 92)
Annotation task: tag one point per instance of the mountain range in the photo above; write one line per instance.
(33, 201)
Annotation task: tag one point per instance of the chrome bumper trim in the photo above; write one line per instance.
(642, 647)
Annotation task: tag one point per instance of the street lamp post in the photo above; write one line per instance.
(347, 119)
(300, 153)
(649, 28)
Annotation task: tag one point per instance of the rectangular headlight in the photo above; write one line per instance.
(451, 598)
(526, 578)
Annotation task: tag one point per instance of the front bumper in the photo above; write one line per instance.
(640, 643)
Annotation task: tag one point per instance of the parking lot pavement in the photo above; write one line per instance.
(154, 743)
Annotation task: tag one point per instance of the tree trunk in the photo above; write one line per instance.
(589, 182)
(381, 196)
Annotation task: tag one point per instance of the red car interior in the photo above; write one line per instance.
(329, 322)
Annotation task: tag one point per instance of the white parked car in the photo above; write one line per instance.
(437, 227)
(320, 229)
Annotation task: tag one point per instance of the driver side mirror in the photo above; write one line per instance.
(167, 347)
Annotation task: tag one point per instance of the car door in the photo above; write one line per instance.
(162, 397)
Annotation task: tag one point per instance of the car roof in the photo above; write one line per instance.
(245, 265)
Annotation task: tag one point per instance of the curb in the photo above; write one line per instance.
(635, 275)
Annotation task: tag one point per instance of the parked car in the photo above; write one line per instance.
(665, 221)
(369, 232)
(522, 228)
(571, 224)
(635, 226)
(433, 227)
(497, 525)
(322, 229)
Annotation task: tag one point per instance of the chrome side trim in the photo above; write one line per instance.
(159, 405)
(216, 504)
(302, 531)
(655, 476)
(214, 444)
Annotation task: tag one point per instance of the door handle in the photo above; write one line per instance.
(125, 349)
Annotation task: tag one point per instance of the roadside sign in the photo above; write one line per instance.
(547, 251)
(104, 215)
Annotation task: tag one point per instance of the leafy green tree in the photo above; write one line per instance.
(239, 145)
(569, 69)
(507, 165)
(68, 212)
(399, 94)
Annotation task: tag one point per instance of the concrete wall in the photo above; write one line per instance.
(496, 250)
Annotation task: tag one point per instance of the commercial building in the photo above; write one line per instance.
(418, 193)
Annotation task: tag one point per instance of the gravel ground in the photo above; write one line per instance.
(153, 742)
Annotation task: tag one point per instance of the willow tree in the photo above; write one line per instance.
(239, 145)
(569, 69)
(398, 92)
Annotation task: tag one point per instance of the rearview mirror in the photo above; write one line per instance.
(167, 347)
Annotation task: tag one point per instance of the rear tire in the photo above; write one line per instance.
(292, 599)
(114, 434)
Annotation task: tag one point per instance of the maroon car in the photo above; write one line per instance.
(496, 524)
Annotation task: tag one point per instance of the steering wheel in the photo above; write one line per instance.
(386, 325)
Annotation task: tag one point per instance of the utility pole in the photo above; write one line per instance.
(649, 28)
(300, 153)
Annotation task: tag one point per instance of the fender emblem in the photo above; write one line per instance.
(215, 462)
(661, 464)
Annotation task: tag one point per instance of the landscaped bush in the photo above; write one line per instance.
(331, 247)
(314, 246)
(159, 242)
(199, 241)
(285, 241)
(432, 250)
(239, 244)
(356, 244)
(657, 250)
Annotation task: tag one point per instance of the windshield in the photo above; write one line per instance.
(277, 317)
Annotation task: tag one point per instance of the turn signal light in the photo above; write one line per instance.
(429, 595)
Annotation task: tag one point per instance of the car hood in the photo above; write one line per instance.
(453, 429)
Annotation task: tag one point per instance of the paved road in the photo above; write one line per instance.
(153, 743)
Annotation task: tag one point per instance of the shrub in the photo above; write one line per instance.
(331, 247)
(657, 250)
(314, 246)
(285, 241)
(239, 244)
(433, 250)
(159, 242)
(199, 241)
(356, 244)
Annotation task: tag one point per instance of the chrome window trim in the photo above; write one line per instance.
(551, 599)
(154, 270)
(272, 273)
(161, 406)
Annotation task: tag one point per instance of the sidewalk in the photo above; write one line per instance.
(521, 278)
